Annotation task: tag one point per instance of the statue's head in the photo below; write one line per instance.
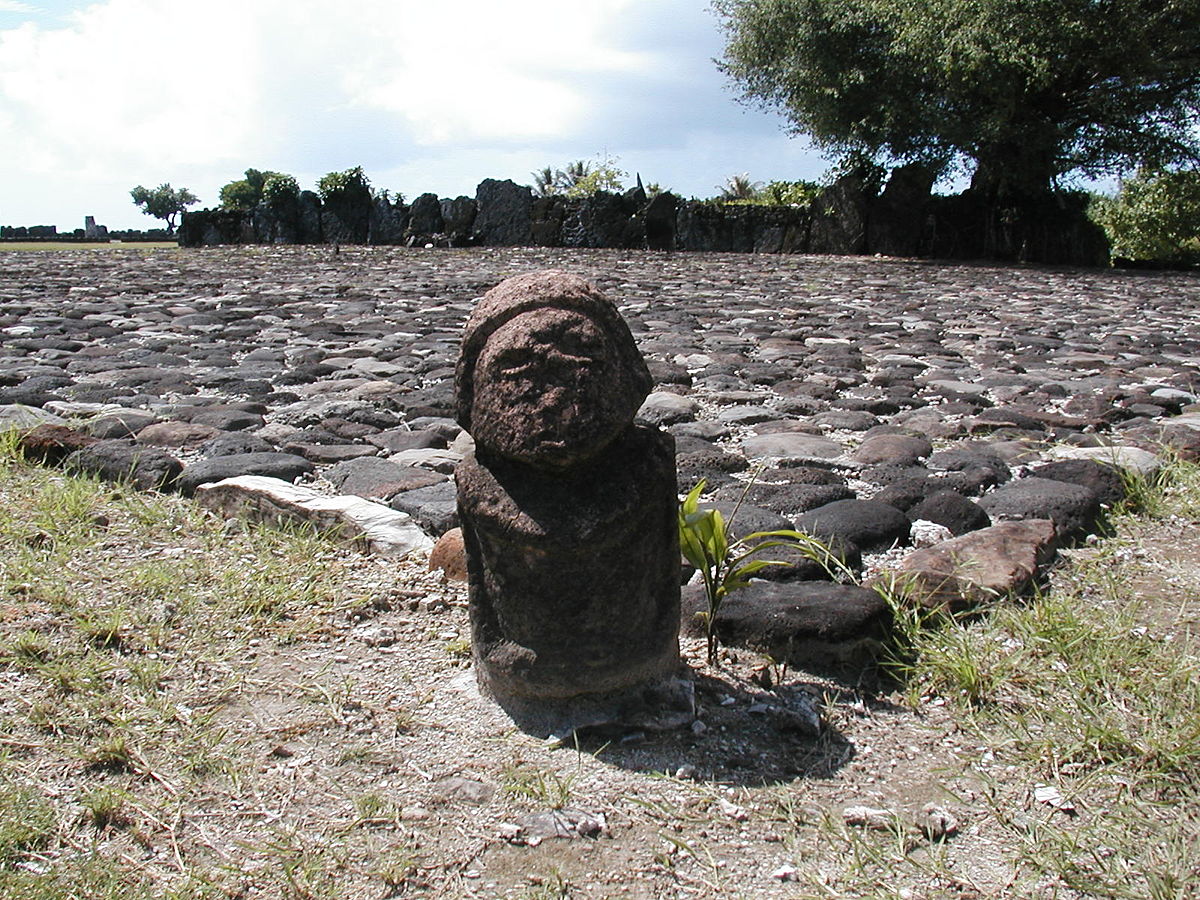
(549, 374)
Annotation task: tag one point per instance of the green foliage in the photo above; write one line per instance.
(1022, 90)
(740, 187)
(580, 178)
(163, 202)
(1155, 216)
(347, 185)
(246, 193)
(727, 565)
(790, 193)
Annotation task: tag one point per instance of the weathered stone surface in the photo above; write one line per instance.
(51, 444)
(176, 434)
(283, 466)
(1104, 480)
(16, 415)
(814, 626)
(449, 556)
(978, 567)
(791, 446)
(372, 525)
(503, 214)
(1073, 508)
(379, 479)
(868, 524)
(664, 408)
(786, 499)
(146, 468)
(549, 372)
(567, 510)
(952, 510)
(425, 217)
(434, 508)
(893, 449)
(120, 424)
(1130, 459)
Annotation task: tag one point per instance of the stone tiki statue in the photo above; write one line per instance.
(568, 511)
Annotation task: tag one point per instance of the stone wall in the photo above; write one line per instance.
(848, 218)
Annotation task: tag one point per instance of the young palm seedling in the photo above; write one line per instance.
(725, 564)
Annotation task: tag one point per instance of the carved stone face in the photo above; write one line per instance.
(544, 389)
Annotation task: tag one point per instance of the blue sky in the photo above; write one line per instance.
(98, 97)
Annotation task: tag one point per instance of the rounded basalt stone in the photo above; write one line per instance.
(1105, 480)
(868, 524)
(1073, 508)
(892, 449)
(815, 626)
(146, 468)
(285, 466)
(549, 373)
(786, 498)
(952, 510)
(905, 493)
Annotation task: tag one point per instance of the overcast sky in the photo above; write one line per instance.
(425, 95)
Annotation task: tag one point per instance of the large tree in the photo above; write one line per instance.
(1021, 91)
(163, 202)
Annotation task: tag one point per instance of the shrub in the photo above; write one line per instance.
(343, 185)
(1154, 216)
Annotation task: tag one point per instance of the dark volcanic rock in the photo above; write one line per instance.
(1105, 480)
(285, 466)
(868, 524)
(376, 478)
(813, 626)
(1074, 509)
(952, 510)
(786, 499)
(504, 213)
(434, 508)
(146, 468)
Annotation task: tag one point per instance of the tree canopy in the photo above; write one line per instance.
(580, 178)
(1023, 91)
(1155, 216)
(246, 193)
(163, 202)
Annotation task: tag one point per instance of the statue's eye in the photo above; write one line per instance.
(513, 362)
(583, 344)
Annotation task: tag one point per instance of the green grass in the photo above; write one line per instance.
(1074, 689)
(124, 619)
(128, 717)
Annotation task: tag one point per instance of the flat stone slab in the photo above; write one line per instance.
(17, 415)
(1134, 460)
(373, 525)
(976, 568)
(791, 446)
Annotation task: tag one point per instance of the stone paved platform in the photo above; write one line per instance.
(821, 369)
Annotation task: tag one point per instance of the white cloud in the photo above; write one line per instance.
(441, 94)
(15, 6)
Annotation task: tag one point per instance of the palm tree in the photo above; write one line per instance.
(740, 187)
(544, 182)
